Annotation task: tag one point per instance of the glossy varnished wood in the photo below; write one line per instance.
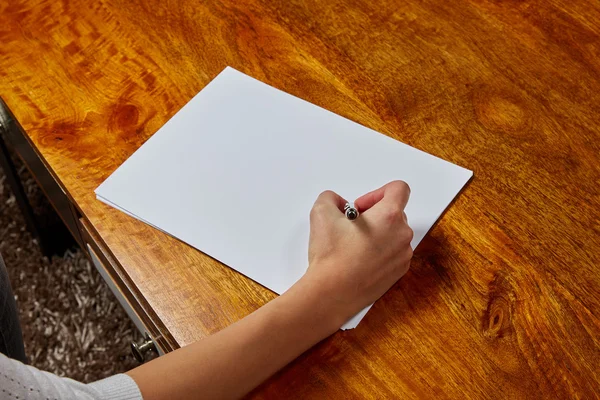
(503, 297)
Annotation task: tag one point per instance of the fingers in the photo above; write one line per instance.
(395, 193)
(329, 200)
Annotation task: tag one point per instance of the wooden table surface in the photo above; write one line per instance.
(502, 300)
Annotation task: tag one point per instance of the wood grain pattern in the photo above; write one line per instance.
(503, 299)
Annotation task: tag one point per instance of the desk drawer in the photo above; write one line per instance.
(115, 290)
(109, 272)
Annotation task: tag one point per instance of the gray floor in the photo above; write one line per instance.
(72, 324)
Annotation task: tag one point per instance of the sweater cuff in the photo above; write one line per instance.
(117, 387)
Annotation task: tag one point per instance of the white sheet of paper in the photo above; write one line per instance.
(236, 171)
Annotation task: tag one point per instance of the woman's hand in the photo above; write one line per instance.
(353, 263)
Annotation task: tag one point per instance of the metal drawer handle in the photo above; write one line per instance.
(139, 350)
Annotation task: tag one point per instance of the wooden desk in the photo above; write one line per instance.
(503, 297)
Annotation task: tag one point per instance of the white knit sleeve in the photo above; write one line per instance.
(20, 381)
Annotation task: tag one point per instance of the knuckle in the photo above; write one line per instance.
(326, 194)
(390, 217)
(394, 214)
(401, 191)
(410, 234)
(316, 210)
(402, 187)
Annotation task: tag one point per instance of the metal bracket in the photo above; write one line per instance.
(139, 350)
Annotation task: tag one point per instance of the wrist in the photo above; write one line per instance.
(331, 312)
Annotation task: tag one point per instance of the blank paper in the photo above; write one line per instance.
(236, 171)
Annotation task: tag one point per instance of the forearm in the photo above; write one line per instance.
(235, 360)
